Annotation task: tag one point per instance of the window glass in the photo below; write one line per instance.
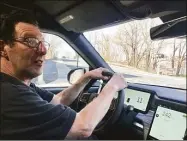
(60, 59)
(128, 49)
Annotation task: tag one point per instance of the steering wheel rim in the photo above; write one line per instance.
(119, 104)
(114, 115)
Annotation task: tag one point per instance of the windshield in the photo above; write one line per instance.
(128, 49)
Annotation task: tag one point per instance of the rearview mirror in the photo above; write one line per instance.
(174, 28)
(75, 74)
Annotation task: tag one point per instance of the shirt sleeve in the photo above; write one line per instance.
(26, 115)
(44, 94)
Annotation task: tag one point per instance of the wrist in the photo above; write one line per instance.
(87, 76)
(84, 79)
(110, 88)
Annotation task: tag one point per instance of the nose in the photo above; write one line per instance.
(42, 50)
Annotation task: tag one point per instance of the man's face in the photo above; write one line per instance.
(26, 62)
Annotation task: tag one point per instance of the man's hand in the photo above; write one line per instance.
(117, 82)
(68, 95)
(97, 74)
(89, 117)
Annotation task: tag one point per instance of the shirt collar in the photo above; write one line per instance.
(7, 78)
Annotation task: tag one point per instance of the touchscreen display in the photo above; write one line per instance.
(138, 99)
(168, 124)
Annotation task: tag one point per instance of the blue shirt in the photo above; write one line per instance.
(27, 114)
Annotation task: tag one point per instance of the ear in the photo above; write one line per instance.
(2, 44)
(3, 52)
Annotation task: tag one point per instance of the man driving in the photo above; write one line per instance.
(29, 112)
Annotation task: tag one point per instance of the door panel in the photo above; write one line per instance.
(56, 90)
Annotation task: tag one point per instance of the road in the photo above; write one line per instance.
(138, 76)
(132, 75)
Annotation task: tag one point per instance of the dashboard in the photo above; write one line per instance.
(162, 116)
(160, 112)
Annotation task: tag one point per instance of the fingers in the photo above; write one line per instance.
(103, 69)
(106, 78)
(99, 73)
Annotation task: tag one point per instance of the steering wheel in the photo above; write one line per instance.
(114, 111)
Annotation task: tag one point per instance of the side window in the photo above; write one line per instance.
(60, 59)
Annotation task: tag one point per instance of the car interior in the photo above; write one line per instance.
(141, 111)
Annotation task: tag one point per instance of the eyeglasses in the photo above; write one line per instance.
(32, 42)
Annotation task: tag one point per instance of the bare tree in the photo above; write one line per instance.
(102, 41)
(156, 54)
(128, 37)
(148, 43)
(181, 56)
(173, 54)
(151, 48)
(132, 40)
(139, 49)
(119, 40)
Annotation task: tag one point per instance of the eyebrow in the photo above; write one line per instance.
(32, 35)
(28, 34)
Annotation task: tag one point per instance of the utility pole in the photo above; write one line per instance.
(77, 60)
(160, 57)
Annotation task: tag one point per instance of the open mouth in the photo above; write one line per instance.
(39, 62)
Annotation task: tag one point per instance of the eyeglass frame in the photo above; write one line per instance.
(23, 41)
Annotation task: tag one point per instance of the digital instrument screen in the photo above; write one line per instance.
(168, 124)
(138, 99)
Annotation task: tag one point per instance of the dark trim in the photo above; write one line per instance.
(160, 86)
(81, 45)
(78, 2)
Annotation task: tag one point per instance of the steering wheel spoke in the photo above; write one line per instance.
(84, 98)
